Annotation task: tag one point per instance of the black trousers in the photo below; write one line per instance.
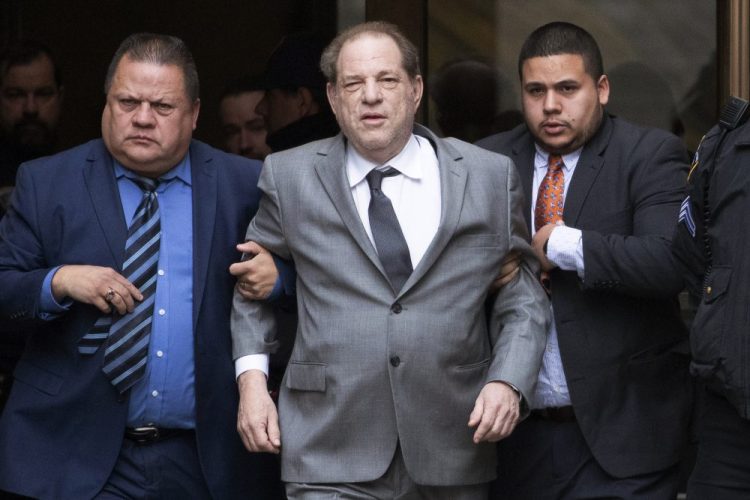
(722, 467)
(548, 460)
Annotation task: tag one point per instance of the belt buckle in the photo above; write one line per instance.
(144, 434)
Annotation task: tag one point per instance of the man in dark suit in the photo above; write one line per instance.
(611, 406)
(86, 418)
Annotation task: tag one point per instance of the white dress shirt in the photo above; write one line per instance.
(565, 249)
(415, 196)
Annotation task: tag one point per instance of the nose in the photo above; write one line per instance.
(144, 115)
(245, 140)
(551, 102)
(371, 91)
(30, 104)
(262, 107)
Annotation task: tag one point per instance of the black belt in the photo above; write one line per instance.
(150, 434)
(555, 414)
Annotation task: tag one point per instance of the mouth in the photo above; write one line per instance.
(141, 139)
(372, 119)
(554, 127)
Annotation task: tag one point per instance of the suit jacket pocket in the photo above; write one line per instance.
(478, 240)
(472, 366)
(39, 378)
(306, 376)
(707, 333)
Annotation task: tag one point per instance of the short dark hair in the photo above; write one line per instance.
(409, 52)
(563, 38)
(23, 52)
(157, 49)
(246, 83)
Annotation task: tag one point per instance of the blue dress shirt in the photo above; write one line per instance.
(165, 396)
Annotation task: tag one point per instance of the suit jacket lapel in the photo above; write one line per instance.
(331, 169)
(452, 187)
(587, 169)
(101, 184)
(332, 173)
(204, 215)
(522, 154)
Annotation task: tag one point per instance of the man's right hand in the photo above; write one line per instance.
(257, 419)
(102, 287)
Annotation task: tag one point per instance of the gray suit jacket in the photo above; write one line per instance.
(373, 367)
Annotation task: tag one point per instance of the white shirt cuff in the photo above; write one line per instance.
(565, 249)
(251, 362)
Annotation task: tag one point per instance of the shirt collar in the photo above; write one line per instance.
(180, 171)
(541, 158)
(407, 161)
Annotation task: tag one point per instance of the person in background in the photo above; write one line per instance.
(294, 106)
(31, 94)
(243, 128)
(710, 247)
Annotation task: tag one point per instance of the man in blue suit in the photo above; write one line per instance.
(166, 428)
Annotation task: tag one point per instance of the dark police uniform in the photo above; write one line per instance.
(712, 245)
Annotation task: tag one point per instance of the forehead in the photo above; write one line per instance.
(369, 53)
(147, 78)
(558, 67)
(39, 72)
(243, 102)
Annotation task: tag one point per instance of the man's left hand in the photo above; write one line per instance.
(496, 412)
(257, 275)
(508, 271)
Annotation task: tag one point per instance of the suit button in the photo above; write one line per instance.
(396, 308)
(395, 361)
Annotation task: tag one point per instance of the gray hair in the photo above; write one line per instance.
(409, 52)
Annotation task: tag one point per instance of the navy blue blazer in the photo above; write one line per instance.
(63, 425)
(622, 343)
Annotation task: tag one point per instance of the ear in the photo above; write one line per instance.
(196, 111)
(306, 102)
(418, 89)
(331, 94)
(602, 88)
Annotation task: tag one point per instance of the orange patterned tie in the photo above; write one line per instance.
(549, 199)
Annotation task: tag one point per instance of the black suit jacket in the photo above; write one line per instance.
(621, 339)
(63, 426)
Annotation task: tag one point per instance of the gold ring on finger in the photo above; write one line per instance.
(110, 295)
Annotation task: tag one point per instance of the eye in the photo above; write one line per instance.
(389, 82)
(535, 91)
(231, 130)
(162, 107)
(13, 94)
(568, 89)
(44, 92)
(128, 104)
(353, 85)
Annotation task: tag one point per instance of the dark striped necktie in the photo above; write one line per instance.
(127, 337)
(386, 231)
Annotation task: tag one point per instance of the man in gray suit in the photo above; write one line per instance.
(400, 377)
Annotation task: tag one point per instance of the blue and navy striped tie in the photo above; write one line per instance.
(127, 336)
